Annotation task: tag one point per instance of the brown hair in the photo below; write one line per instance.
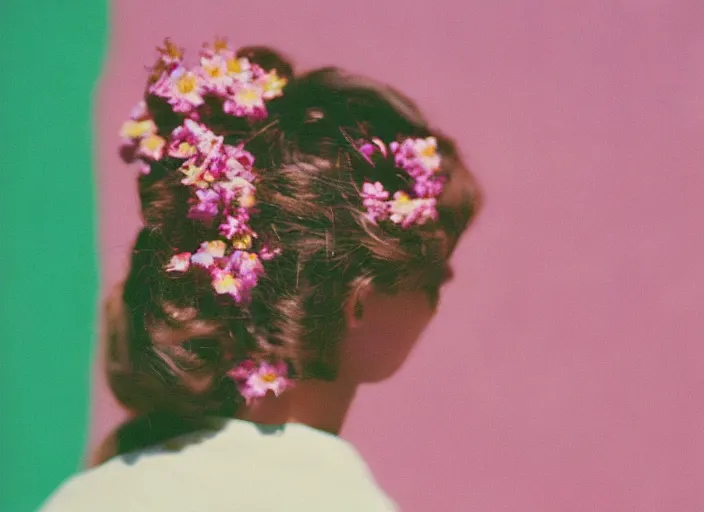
(309, 205)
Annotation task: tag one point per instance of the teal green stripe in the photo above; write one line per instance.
(51, 55)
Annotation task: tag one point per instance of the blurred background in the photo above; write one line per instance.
(564, 369)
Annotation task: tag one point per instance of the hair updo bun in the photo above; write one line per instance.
(172, 339)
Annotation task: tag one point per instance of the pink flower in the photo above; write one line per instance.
(247, 199)
(272, 85)
(213, 71)
(417, 156)
(374, 199)
(406, 211)
(369, 148)
(236, 189)
(255, 381)
(238, 161)
(374, 191)
(247, 101)
(183, 89)
(182, 143)
(247, 266)
(196, 176)
(179, 262)
(152, 147)
(209, 145)
(208, 253)
(205, 207)
(144, 167)
(235, 225)
(137, 129)
(239, 69)
(266, 253)
(428, 186)
(242, 371)
(225, 283)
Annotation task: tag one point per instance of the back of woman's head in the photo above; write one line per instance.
(174, 337)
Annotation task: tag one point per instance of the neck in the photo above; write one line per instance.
(318, 404)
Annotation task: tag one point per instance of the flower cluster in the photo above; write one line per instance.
(420, 160)
(256, 380)
(220, 175)
(222, 178)
(139, 135)
(242, 86)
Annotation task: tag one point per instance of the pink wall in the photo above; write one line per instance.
(564, 371)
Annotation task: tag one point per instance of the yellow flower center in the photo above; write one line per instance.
(152, 143)
(186, 84)
(247, 201)
(214, 71)
(225, 282)
(216, 248)
(248, 96)
(428, 151)
(234, 66)
(403, 198)
(273, 83)
(192, 173)
(243, 242)
(269, 377)
(186, 149)
(137, 129)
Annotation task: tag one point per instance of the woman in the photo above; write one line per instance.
(296, 235)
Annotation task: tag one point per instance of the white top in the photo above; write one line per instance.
(241, 466)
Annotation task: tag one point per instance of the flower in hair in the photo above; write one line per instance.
(208, 144)
(183, 89)
(179, 262)
(140, 137)
(266, 253)
(205, 206)
(239, 68)
(221, 176)
(272, 85)
(235, 224)
(226, 283)
(183, 143)
(420, 161)
(247, 265)
(136, 129)
(417, 156)
(257, 380)
(407, 211)
(374, 199)
(196, 175)
(369, 148)
(247, 101)
(151, 147)
(208, 253)
(214, 74)
(428, 187)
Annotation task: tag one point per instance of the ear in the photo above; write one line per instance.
(354, 307)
